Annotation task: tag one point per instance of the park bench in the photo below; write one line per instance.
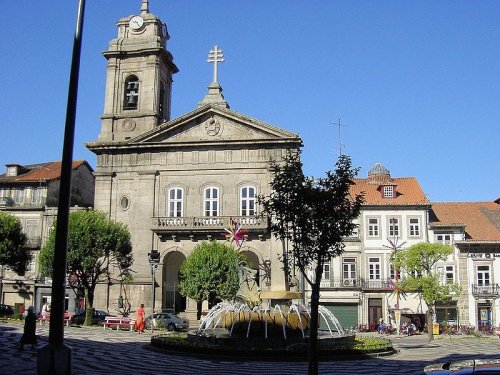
(46, 318)
(118, 322)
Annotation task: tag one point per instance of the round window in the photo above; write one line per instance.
(124, 203)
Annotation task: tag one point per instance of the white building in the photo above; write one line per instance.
(357, 285)
(473, 228)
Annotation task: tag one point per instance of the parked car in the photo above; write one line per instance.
(465, 367)
(166, 320)
(98, 317)
(6, 310)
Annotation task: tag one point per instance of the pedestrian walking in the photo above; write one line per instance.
(29, 335)
(45, 311)
(139, 319)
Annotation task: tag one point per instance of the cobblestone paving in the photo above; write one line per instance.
(96, 351)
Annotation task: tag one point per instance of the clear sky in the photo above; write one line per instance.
(416, 83)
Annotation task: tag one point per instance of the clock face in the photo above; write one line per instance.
(136, 22)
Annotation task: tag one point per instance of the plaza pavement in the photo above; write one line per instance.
(96, 351)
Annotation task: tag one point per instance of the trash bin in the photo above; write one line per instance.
(435, 328)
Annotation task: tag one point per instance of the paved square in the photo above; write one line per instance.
(96, 351)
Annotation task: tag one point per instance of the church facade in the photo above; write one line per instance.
(177, 182)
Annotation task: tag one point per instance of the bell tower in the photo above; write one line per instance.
(138, 78)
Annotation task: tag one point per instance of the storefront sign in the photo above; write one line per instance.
(483, 255)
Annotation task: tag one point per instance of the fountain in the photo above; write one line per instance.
(270, 319)
(286, 320)
(269, 324)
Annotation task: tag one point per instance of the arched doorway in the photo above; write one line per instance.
(172, 299)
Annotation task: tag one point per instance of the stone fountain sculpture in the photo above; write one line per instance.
(249, 291)
(249, 316)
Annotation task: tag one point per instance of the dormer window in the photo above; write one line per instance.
(388, 191)
(12, 170)
(131, 97)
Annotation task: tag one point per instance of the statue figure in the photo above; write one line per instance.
(249, 291)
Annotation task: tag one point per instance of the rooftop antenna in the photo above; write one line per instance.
(339, 125)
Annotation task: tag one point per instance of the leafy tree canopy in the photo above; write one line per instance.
(210, 273)
(419, 261)
(94, 244)
(313, 214)
(13, 253)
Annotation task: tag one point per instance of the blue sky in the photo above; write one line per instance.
(416, 83)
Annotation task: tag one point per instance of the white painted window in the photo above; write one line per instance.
(211, 201)
(446, 274)
(374, 268)
(414, 227)
(445, 239)
(389, 191)
(326, 272)
(36, 196)
(247, 201)
(373, 227)
(483, 275)
(175, 202)
(349, 268)
(19, 196)
(394, 227)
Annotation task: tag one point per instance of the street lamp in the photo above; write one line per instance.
(154, 260)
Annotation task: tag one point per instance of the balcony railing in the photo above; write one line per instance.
(166, 226)
(377, 284)
(341, 283)
(485, 290)
(358, 283)
(33, 242)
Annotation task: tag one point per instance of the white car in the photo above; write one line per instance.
(167, 320)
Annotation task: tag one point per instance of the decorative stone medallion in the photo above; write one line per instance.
(212, 126)
(128, 125)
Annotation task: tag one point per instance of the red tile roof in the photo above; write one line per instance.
(481, 219)
(41, 172)
(408, 191)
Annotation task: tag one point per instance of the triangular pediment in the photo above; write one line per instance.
(209, 124)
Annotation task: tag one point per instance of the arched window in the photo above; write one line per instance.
(247, 201)
(131, 96)
(211, 201)
(175, 205)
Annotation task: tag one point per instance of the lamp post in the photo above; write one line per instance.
(154, 260)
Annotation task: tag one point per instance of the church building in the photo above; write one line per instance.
(177, 182)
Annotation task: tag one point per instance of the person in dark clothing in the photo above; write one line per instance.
(29, 336)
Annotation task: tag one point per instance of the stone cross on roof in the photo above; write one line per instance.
(145, 7)
(215, 56)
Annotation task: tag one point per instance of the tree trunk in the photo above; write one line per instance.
(313, 330)
(286, 269)
(89, 308)
(430, 324)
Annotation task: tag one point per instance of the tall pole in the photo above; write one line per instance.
(55, 357)
(153, 281)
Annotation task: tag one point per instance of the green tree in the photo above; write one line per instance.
(419, 262)
(95, 243)
(13, 253)
(210, 273)
(314, 216)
